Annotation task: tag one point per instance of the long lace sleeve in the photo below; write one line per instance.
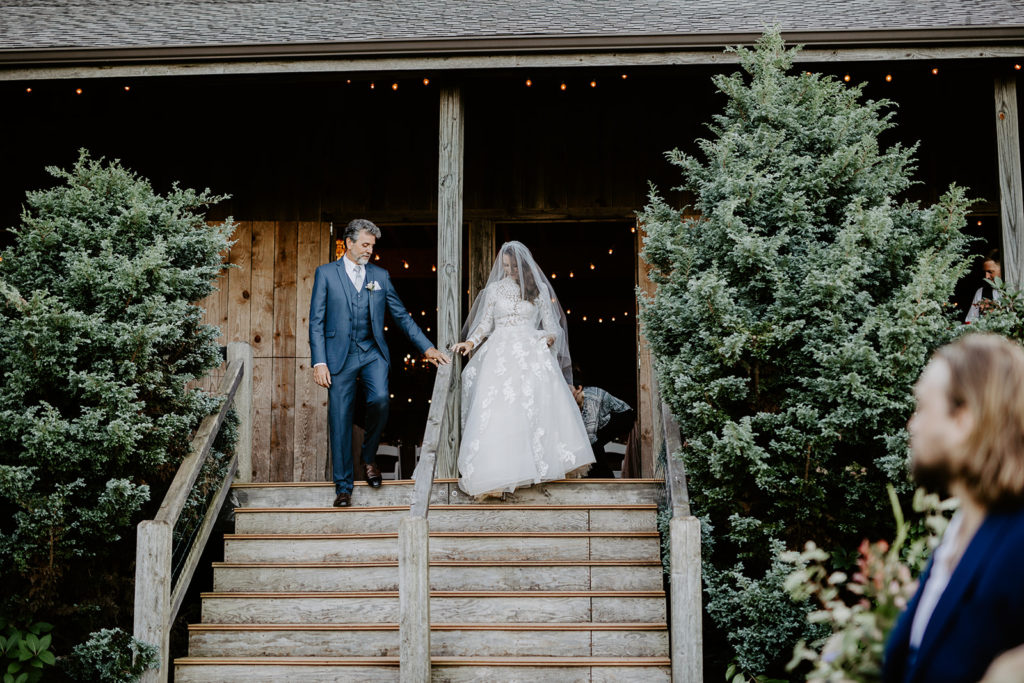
(548, 320)
(486, 324)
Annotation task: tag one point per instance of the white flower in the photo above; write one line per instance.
(373, 285)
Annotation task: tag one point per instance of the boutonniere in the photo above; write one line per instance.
(373, 285)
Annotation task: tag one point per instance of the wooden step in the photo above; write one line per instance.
(469, 517)
(456, 640)
(448, 669)
(445, 606)
(564, 492)
(444, 575)
(493, 546)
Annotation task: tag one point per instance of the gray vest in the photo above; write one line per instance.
(362, 332)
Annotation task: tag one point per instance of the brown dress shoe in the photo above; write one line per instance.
(343, 500)
(373, 477)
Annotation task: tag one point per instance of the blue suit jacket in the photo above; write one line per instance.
(980, 614)
(330, 314)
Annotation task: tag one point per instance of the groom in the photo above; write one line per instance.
(346, 341)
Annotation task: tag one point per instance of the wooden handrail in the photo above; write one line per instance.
(684, 547)
(413, 544)
(156, 601)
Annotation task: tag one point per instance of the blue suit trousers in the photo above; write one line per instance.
(371, 369)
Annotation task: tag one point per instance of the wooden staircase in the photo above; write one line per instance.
(559, 582)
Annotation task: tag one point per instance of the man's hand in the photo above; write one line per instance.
(436, 357)
(322, 376)
(577, 393)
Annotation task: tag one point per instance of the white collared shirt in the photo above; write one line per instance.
(356, 272)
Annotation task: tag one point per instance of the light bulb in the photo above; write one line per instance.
(935, 72)
(394, 86)
(78, 91)
(562, 86)
(593, 84)
(888, 78)
(426, 81)
(528, 82)
(846, 78)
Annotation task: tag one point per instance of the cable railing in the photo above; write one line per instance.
(163, 572)
(413, 544)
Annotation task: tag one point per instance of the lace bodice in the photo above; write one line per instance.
(504, 307)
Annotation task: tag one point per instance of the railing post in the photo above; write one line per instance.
(687, 639)
(244, 409)
(153, 593)
(414, 600)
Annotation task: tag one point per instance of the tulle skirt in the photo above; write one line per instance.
(520, 422)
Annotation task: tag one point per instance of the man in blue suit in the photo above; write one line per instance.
(346, 341)
(967, 439)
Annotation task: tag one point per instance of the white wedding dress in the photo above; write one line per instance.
(520, 422)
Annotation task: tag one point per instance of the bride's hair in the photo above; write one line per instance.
(530, 289)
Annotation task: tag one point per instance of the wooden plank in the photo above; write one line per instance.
(239, 284)
(262, 378)
(285, 263)
(481, 255)
(310, 425)
(262, 288)
(153, 592)
(414, 600)
(687, 637)
(490, 60)
(326, 256)
(646, 414)
(241, 351)
(222, 305)
(449, 258)
(1011, 195)
(282, 420)
(308, 258)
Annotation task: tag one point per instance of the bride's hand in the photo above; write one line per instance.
(550, 339)
(463, 347)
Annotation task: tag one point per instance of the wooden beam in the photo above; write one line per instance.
(481, 255)
(153, 593)
(1011, 195)
(648, 414)
(449, 260)
(487, 62)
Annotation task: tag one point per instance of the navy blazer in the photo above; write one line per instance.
(979, 616)
(330, 314)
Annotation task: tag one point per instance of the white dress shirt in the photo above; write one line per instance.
(938, 579)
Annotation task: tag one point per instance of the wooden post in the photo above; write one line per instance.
(414, 600)
(481, 255)
(244, 409)
(687, 638)
(153, 593)
(648, 414)
(1011, 195)
(449, 260)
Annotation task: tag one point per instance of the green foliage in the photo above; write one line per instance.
(796, 306)
(25, 652)
(1004, 316)
(98, 340)
(111, 656)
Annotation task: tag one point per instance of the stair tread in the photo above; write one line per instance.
(435, 661)
(386, 626)
(442, 563)
(467, 506)
(452, 534)
(439, 594)
(409, 482)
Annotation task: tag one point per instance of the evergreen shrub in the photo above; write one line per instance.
(797, 303)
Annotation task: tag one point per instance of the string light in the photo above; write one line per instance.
(376, 257)
(426, 81)
(554, 276)
(127, 88)
(633, 229)
(593, 84)
(433, 268)
(528, 83)
(385, 328)
(592, 266)
(611, 251)
(423, 312)
(394, 86)
(584, 318)
(935, 72)
(572, 274)
(888, 78)
(600, 320)
(562, 86)
(28, 90)
(78, 91)
(405, 264)
(846, 78)
(392, 395)
(613, 318)
(372, 85)
(979, 222)
(625, 313)
(349, 82)
(624, 76)
(1017, 67)
(568, 311)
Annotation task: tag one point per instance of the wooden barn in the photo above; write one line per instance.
(456, 125)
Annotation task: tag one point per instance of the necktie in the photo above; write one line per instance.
(359, 277)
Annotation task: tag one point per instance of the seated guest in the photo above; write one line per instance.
(967, 439)
(606, 418)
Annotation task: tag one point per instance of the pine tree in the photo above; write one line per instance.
(796, 305)
(98, 339)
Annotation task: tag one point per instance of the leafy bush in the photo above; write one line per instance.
(111, 656)
(25, 652)
(795, 308)
(98, 339)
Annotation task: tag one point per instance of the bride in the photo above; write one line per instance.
(520, 422)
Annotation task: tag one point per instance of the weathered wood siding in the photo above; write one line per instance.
(263, 299)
